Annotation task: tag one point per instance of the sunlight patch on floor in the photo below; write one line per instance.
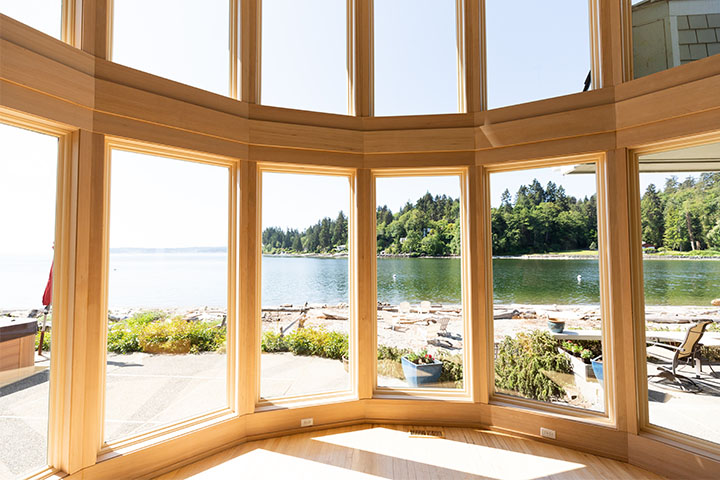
(452, 455)
(261, 463)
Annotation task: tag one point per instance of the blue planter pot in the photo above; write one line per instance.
(419, 375)
(597, 367)
(556, 327)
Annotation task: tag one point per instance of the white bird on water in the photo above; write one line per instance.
(394, 277)
(579, 278)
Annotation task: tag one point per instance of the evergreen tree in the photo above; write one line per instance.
(673, 237)
(652, 220)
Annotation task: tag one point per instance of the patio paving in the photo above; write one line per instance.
(690, 413)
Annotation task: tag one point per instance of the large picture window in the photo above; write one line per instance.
(167, 294)
(28, 171)
(680, 229)
(305, 285)
(546, 286)
(420, 321)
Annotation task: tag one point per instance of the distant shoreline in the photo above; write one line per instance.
(541, 256)
(345, 255)
(531, 256)
(528, 256)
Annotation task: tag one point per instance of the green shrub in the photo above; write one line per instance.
(336, 345)
(522, 362)
(391, 353)
(46, 341)
(273, 342)
(452, 369)
(180, 336)
(307, 341)
(123, 335)
(153, 332)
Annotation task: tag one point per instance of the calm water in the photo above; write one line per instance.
(187, 280)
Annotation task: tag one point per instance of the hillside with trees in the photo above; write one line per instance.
(683, 216)
(542, 220)
(326, 236)
(428, 227)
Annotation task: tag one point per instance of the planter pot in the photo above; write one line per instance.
(346, 363)
(419, 375)
(597, 367)
(580, 368)
(556, 326)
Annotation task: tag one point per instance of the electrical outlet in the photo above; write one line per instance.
(307, 422)
(547, 433)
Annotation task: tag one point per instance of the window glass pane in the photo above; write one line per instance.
(669, 33)
(167, 295)
(43, 15)
(305, 315)
(183, 40)
(536, 52)
(28, 169)
(304, 55)
(680, 225)
(546, 286)
(415, 57)
(421, 334)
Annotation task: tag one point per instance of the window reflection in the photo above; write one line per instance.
(669, 33)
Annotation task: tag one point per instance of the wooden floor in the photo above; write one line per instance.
(387, 451)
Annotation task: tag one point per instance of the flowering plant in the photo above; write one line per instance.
(420, 358)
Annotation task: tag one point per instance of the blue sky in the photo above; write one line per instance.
(540, 53)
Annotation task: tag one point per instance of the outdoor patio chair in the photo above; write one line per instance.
(689, 352)
(390, 319)
(424, 307)
(432, 336)
(443, 323)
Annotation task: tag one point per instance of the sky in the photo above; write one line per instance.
(28, 173)
(539, 54)
(158, 202)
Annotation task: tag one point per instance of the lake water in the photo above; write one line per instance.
(190, 280)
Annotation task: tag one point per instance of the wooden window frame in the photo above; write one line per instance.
(332, 396)
(131, 443)
(466, 257)
(63, 283)
(672, 437)
(608, 416)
